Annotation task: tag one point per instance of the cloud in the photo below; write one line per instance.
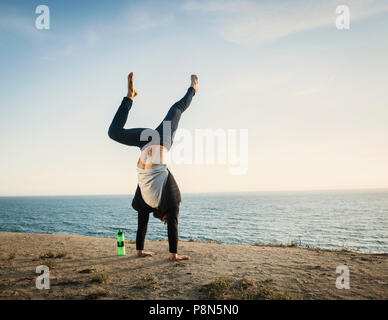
(81, 37)
(144, 17)
(23, 27)
(247, 22)
(144, 20)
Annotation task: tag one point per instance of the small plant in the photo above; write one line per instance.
(61, 254)
(97, 293)
(149, 277)
(226, 289)
(218, 288)
(47, 255)
(100, 278)
(53, 255)
(88, 270)
(344, 248)
(11, 256)
(293, 244)
(50, 263)
(147, 281)
(213, 241)
(280, 245)
(67, 282)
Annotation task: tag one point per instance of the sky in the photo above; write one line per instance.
(313, 98)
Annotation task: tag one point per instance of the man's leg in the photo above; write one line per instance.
(142, 222)
(172, 231)
(170, 122)
(129, 137)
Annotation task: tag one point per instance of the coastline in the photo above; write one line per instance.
(83, 267)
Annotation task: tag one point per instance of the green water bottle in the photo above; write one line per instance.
(120, 243)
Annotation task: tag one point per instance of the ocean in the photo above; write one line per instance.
(356, 220)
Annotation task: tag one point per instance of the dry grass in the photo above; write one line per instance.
(61, 254)
(11, 256)
(293, 244)
(218, 288)
(46, 258)
(97, 293)
(53, 255)
(149, 277)
(100, 278)
(148, 281)
(205, 241)
(88, 270)
(47, 255)
(49, 263)
(67, 282)
(213, 241)
(224, 288)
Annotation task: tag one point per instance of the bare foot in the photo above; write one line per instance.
(141, 253)
(176, 257)
(194, 82)
(132, 92)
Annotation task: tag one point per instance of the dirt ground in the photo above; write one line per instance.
(89, 268)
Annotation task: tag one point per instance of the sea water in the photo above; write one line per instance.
(357, 220)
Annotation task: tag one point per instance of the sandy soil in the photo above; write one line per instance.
(88, 268)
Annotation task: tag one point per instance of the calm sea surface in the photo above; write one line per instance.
(357, 220)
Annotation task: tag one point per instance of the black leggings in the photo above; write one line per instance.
(172, 229)
(141, 137)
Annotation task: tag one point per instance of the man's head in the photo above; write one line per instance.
(160, 216)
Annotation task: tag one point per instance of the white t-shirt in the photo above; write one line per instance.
(151, 183)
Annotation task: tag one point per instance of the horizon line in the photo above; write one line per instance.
(211, 192)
